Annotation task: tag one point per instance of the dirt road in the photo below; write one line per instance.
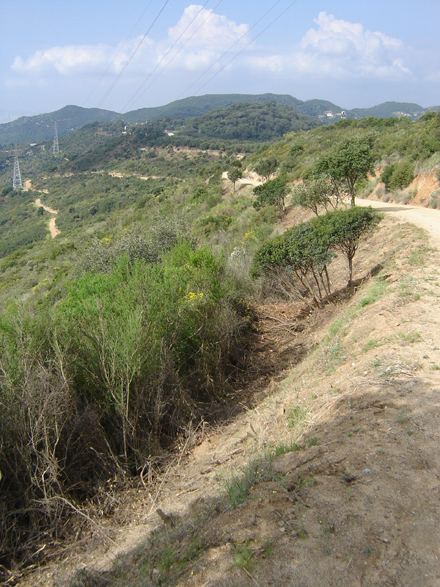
(54, 231)
(425, 218)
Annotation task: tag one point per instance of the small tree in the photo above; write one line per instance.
(397, 175)
(266, 167)
(348, 163)
(346, 229)
(313, 194)
(271, 193)
(307, 249)
(302, 252)
(235, 173)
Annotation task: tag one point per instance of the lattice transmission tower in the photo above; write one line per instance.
(56, 146)
(16, 178)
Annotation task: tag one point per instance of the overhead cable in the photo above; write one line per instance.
(118, 51)
(118, 77)
(230, 49)
(134, 98)
(246, 46)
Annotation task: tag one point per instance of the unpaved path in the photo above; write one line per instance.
(54, 231)
(425, 218)
(124, 175)
(250, 179)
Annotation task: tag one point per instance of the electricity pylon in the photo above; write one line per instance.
(56, 146)
(16, 178)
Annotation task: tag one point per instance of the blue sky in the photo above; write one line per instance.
(96, 53)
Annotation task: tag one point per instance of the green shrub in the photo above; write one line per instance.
(397, 175)
(305, 251)
(271, 193)
(213, 223)
(95, 385)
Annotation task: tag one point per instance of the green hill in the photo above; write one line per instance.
(35, 129)
(389, 109)
(198, 105)
(249, 122)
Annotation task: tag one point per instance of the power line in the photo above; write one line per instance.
(118, 77)
(133, 98)
(230, 48)
(244, 48)
(119, 50)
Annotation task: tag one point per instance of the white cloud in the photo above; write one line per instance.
(205, 40)
(340, 49)
(209, 30)
(76, 58)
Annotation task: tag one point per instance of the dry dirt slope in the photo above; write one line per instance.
(358, 502)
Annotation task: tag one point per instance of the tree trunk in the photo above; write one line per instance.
(350, 271)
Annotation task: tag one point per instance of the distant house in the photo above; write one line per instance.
(169, 133)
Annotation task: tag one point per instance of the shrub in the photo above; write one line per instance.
(314, 194)
(434, 200)
(213, 223)
(397, 175)
(266, 167)
(306, 250)
(95, 385)
(271, 193)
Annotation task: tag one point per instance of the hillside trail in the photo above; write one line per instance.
(425, 218)
(54, 231)
(356, 385)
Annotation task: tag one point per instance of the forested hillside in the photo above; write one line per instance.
(136, 319)
(249, 122)
(33, 129)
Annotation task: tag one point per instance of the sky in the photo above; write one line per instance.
(122, 56)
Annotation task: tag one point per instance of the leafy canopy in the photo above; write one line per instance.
(397, 175)
(271, 193)
(314, 194)
(309, 247)
(266, 167)
(348, 162)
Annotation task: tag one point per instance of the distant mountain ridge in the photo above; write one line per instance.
(35, 129)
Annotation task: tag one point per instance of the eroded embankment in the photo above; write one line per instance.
(357, 504)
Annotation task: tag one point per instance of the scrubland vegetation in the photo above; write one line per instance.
(133, 320)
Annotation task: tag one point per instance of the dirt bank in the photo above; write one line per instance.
(356, 502)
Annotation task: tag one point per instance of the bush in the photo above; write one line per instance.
(146, 332)
(213, 223)
(305, 251)
(434, 200)
(271, 193)
(397, 175)
(313, 195)
(266, 167)
(96, 385)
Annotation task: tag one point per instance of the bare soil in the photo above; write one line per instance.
(419, 191)
(356, 385)
(54, 231)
